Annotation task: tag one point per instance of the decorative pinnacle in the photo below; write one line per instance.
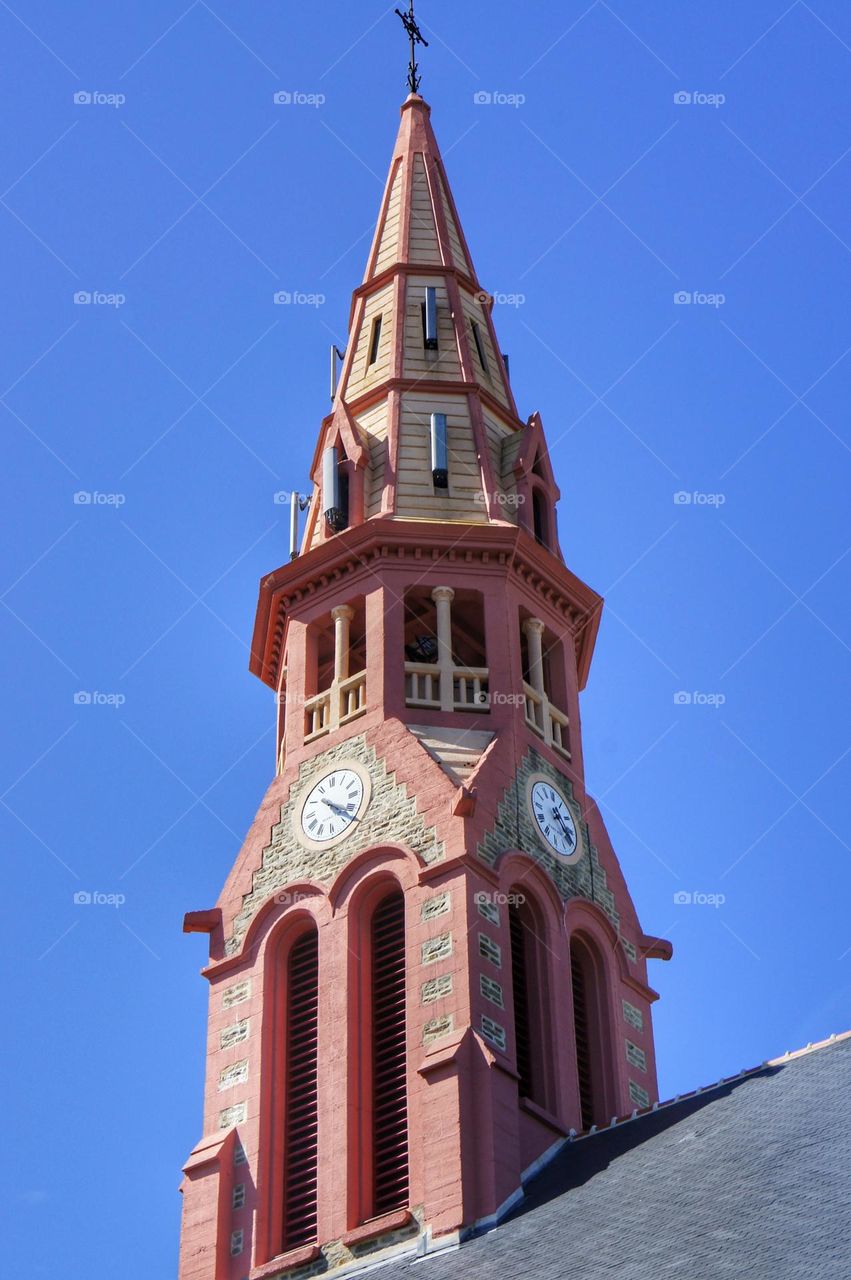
(416, 37)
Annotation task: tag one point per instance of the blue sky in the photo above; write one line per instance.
(189, 399)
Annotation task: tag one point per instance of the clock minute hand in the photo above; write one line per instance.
(565, 828)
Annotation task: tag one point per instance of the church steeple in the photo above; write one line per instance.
(425, 966)
(421, 343)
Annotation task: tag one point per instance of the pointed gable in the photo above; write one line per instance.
(418, 224)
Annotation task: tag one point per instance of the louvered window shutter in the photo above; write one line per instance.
(520, 985)
(389, 1058)
(301, 1113)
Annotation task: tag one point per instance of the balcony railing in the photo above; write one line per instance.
(317, 716)
(352, 697)
(470, 689)
(424, 682)
(547, 721)
(344, 701)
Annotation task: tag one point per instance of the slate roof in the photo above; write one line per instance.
(750, 1178)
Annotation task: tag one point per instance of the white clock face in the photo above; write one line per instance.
(554, 820)
(332, 806)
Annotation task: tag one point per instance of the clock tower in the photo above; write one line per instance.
(426, 970)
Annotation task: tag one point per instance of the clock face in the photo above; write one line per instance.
(554, 820)
(332, 806)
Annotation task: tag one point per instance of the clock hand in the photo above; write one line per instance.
(565, 828)
(344, 813)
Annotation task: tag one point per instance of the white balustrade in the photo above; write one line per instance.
(422, 685)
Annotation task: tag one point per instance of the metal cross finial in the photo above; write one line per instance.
(416, 37)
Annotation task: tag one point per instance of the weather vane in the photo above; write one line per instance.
(416, 37)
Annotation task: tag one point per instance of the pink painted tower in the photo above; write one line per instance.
(425, 967)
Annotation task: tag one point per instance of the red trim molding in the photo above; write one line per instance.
(377, 1227)
(286, 1262)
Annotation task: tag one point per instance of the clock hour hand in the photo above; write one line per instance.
(565, 828)
(337, 808)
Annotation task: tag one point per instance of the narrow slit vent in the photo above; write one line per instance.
(375, 340)
(389, 1058)
(301, 1116)
(480, 347)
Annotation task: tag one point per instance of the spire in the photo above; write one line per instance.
(423, 372)
(418, 222)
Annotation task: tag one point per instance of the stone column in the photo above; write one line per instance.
(534, 629)
(443, 597)
(342, 615)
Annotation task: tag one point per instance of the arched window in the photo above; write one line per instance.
(389, 1057)
(336, 470)
(540, 517)
(592, 1032)
(298, 1045)
(532, 1025)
